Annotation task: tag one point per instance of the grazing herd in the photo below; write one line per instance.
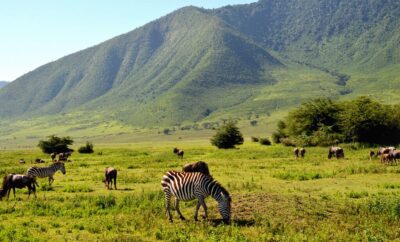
(194, 182)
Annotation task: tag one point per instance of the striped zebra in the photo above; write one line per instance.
(187, 186)
(47, 171)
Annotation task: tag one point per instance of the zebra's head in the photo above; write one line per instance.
(60, 166)
(224, 206)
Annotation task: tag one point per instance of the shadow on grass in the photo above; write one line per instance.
(237, 222)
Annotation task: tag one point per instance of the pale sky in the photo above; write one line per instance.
(35, 32)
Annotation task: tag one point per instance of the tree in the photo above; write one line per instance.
(227, 136)
(367, 121)
(56, 144)
(313, 115)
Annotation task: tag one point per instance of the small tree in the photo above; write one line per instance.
(227, 136)
(87, 149)
(56, 144)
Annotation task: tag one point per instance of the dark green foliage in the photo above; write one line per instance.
(228, 136)
(87, 149)
(324, 122)
(367, 121)
(55, 144)
(265, 141)
(255, 139)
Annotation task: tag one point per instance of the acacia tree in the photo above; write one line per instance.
(56, 144)
(227, 136)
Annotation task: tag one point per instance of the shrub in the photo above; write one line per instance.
(254, 139)
(265, 141)
(227, 136)
(55, 144)
(87, 149)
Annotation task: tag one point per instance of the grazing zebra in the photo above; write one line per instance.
(47, 171)
(187, 186)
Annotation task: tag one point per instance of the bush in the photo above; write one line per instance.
(255, 139)
(87, 149)
(56, 144)
(265, 141)
(325, 122)
(227, 136)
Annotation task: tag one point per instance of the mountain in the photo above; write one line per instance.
(242, 61)
(3, 83)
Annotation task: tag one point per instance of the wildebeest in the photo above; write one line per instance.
(21, 161)
(335, 151)
(371, 154)
(38, 160)
(12, 181)
(179, 152)
(302, 152)
(110, 174)
(395, 155)
(386, 158)
(384, 150)
(199, 166)
(53, 156)
(296, 152)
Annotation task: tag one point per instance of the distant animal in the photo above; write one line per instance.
(187, 186)
(302, 152)
(38, 160)
(335, 151)
(296, 152)
(386, 158)
(199, 166)
(395, 155)
(371, 154)
(47, 171)
(384, 150)
(21, 161)
(110, 174)
(179, 152)
(53, 156)
(12, 181)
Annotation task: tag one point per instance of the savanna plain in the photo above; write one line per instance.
(275, 197)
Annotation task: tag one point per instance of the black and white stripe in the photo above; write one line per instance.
(47, 171)
(187, 186)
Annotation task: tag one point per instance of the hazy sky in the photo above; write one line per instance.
(35, 32)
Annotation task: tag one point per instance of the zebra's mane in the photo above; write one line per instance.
(58, 163)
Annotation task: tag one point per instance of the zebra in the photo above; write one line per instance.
(47, 171)
(187, 186)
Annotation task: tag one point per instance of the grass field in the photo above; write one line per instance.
(275, 196)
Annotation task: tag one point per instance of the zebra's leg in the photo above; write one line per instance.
(115, 183)
(167, 204)
(200, 201)
(51, 179)
(14, 192)
(205, 209)
(177, 209)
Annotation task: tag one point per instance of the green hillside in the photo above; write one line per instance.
(249, 61)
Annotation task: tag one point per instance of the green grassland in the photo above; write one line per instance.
(275, 197)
